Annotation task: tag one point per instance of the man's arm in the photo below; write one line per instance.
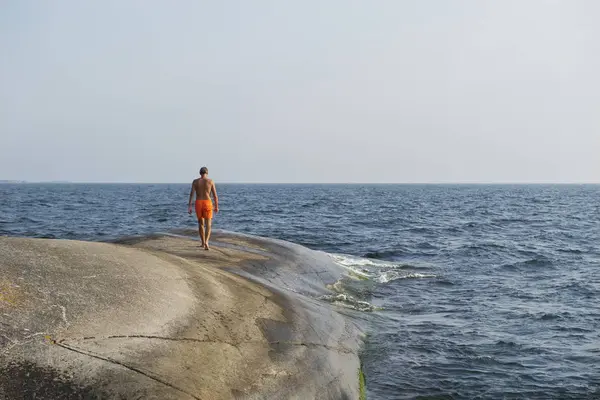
(214, 193)
(191, 197)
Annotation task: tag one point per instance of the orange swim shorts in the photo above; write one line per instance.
(204, 209)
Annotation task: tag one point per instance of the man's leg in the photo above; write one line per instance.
(201, 231)
(208, 226)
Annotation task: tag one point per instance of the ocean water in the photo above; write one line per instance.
(467, 291)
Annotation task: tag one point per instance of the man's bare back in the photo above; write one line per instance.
(203, 188)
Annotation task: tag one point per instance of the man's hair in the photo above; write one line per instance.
(203, 171)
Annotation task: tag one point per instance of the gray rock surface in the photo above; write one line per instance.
(159, 318)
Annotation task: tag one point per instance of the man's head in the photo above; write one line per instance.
(203, 171)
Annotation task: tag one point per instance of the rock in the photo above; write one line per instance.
(159, 318)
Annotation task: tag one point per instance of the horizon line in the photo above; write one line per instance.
(15, 181)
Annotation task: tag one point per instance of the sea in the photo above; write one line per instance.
(466, 291)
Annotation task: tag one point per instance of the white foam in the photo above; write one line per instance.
(345, 300)
(336, 287)
(393, 275)
(353, 261)
(379, 271)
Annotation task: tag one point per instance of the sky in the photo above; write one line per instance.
(398, 91)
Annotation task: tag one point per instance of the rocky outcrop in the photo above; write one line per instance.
(160, 318)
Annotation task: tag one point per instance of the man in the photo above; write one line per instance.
(204, 187)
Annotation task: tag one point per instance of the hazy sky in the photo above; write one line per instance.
(300, 91)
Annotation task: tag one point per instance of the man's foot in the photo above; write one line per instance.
(201, 244)
(206, 246)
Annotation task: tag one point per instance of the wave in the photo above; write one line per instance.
(539, 261)
(353, 261)
(420, 230)
(378, 271)
(554, 316)
(393, 275)
(346, 300)
(427, 246)
(385, 254)
(510, 220)
(571, 251)
(25, 220)
(489, 246)
(518, 220)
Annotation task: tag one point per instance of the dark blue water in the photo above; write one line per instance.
(479, 291)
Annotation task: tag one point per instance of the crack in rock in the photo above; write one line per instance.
(229, 343)
(129, 367)
(62, 343)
